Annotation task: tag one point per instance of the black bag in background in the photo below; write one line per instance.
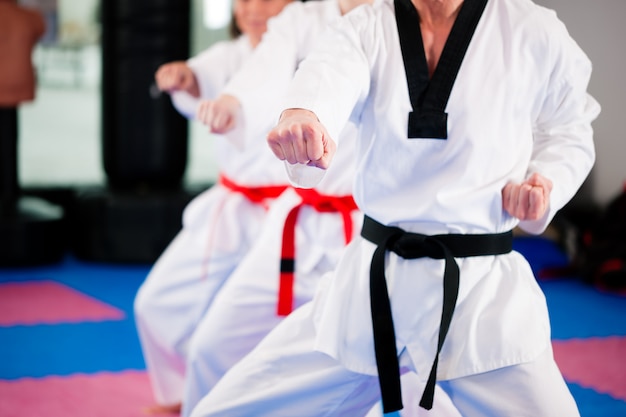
(601, 257)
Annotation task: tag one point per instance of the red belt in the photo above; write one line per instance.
(343, 205)
(254, 194)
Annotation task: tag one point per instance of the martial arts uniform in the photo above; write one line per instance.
(289, 37)
(299, 241)
(257, 295)
(518, 106)
(219, 226)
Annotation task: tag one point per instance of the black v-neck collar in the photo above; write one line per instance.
(427, 120)
(429, 97)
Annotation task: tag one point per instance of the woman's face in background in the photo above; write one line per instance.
(251, 16)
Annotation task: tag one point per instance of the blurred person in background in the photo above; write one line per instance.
(220, 224)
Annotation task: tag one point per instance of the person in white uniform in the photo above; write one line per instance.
(306, 230)
(220, 224)
(474, 118)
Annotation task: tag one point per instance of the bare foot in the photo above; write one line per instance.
(158, 409)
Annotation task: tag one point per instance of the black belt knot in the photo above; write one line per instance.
(412, 246)
(415, 245)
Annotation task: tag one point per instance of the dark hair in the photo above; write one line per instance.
(233, 30)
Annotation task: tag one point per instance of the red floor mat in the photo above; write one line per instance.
(596, 363)
(48, 302)
(105, 394)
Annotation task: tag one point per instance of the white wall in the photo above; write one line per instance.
(599, 28)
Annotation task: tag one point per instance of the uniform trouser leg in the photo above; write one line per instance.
(236, 322)
(227, 334)
(241, 315)
(168, 306)
(245, 310)
(534, 389)
(285, 377)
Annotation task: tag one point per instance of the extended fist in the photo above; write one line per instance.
(177, 76)
(219, 115)
(300, 138)
(529, 200)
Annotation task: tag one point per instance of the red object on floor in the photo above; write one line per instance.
(48, 302)
(596, 363)
(105, 394)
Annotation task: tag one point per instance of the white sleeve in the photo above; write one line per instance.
(212, 70)
(263, 79)
(563, 148)
(334, 77)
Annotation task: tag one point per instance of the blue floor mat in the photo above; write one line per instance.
(576, 311)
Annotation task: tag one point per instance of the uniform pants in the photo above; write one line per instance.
(284, 377)
(245, 311)
(182, 285)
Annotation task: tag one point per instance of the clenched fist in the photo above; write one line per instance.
(529, 200)
(220, 115)
(300, 138)
(177, 76)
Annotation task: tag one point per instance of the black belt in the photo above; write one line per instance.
(411, 246)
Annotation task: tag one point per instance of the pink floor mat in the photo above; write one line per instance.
(596, 363)
(48, 302)
(106, 394)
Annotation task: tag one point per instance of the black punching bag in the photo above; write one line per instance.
(144, 139)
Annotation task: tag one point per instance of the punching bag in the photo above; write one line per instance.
(144, 139)
(32, 229)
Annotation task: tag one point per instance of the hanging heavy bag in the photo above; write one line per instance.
(144, 139)
(602, 256)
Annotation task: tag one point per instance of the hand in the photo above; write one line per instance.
(300, 138)
(528, 200)
(177, 76)
(219, 115)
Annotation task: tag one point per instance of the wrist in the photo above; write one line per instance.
(300, 113)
